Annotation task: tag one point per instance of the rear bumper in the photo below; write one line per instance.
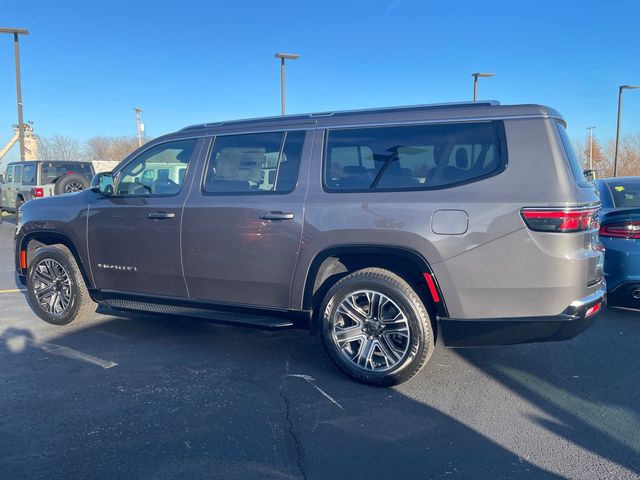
(510, 331)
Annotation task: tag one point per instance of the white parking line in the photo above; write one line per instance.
(311, 380)
(60, 350)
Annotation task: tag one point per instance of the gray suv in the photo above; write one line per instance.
(25, 181)
(381, 230)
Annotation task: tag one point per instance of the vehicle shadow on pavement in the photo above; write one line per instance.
(585, 390)
(152, 397)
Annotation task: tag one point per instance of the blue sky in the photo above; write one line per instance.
(85, 65)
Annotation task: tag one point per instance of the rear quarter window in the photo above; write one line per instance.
(412, 157)
(574, 162)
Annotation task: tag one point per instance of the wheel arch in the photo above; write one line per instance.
(35, 240)
(331, 264)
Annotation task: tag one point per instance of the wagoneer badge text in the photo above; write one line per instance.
(117, 267)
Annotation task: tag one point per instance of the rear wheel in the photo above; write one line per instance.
(19, 203)
(56, 291)
(376, 328)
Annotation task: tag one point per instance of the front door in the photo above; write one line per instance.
(134, 234)
(242, 226)
(7, 201)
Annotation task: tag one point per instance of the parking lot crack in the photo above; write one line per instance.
(295, 443)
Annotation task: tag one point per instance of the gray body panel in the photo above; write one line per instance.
(487, 263)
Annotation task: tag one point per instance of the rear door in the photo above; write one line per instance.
(134, 235)
(242, 224)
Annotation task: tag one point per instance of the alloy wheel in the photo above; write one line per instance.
(371, 330)
(52, 286)
(73, 187)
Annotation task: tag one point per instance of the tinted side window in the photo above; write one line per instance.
(254, 163)
(18, 174)
(156, 171)
(411, 157)
(29, 175)
(9, 174)
(574, 162)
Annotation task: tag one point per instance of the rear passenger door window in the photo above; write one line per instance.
(412, 157)
(17, 174)
(255, 163)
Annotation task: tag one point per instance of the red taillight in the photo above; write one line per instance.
(38, 192)
(593, 310)
(560, 220)
(621, 230)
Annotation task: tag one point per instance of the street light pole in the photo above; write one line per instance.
(138, 125)
(591, 146)
(283, 57)
(475, 82)
(615, 155)
(16, 53)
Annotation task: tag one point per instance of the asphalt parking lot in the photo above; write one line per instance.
(152, 397)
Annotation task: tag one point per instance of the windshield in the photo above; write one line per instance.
(625, 194)
(51, 171)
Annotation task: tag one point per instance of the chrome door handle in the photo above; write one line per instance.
(160, 215)
(277, 216)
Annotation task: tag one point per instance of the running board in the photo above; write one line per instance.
(217, 316)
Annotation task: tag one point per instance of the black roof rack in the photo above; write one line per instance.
(302, 116)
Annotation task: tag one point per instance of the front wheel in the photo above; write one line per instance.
(56, 291)
(376, 328)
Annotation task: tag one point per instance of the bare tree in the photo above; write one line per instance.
(109, 149)
(58, 147)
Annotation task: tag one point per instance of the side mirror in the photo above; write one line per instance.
(590, 175)
(103, 183)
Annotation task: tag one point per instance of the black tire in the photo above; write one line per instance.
(19, 203)
(70, 184)
(400, 297)
(79, 307)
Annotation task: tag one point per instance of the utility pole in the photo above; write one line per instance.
(16, 53)
(139, 125)
(591, 146)
(283, 57)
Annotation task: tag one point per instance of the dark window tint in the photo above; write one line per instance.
(9, 174)
(411, 157)
(157, 171)
(29, 175)
(574, 162)
(18, 174)
(254, 163)
(625, 194)
(52, 171)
